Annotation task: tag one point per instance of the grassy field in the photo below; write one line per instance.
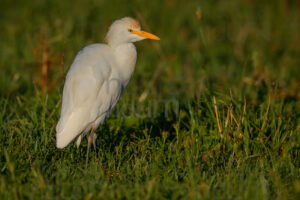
(212, 111)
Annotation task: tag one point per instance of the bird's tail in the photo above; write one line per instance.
(67, 130)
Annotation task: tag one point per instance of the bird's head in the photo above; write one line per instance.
(127, 30)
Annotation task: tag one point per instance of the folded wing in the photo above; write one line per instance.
(87, 77)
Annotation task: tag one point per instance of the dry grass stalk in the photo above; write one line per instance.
(236, 122)
(227, 116)
(231, 114)
(217, 116)
(265, 117)
(46, 63)
(45, 67)
(244, 110)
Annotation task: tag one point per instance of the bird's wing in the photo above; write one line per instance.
(83, 84)
(109, 96)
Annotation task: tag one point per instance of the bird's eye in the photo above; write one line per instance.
(130, 30)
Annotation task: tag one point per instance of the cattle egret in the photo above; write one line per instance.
(95, 81)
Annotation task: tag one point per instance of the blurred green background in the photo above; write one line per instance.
(242, 45)
(243, 53)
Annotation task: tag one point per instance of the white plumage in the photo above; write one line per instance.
(96, 79)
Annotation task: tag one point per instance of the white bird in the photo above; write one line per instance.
(95, 81)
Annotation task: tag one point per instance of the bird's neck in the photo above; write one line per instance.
(125, 55)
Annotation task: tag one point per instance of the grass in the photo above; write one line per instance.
(212, 111)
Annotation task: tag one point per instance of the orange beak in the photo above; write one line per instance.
(146, 35)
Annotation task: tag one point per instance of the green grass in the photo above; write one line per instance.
(243, 54)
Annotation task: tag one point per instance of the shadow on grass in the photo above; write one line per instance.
(111, 135)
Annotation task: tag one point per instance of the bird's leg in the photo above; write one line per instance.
(88, 148)
(94, 136)
(94, 140)
(91, 139)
